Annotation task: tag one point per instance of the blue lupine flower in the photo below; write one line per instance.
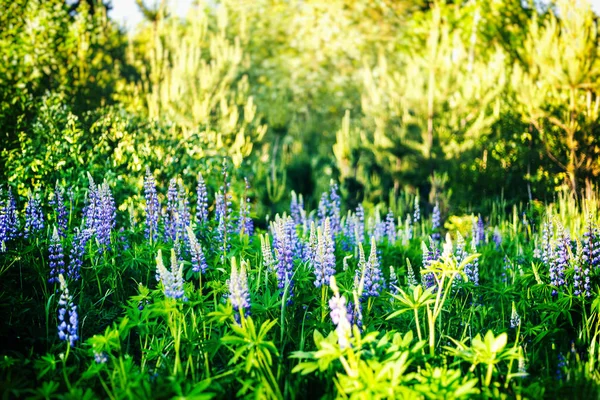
(373, 279)
(429, 257)
(472, 268)
(57, 257)
(107, 215)
(478, 231)
(589, 259)
(349, 232)
(68, 320)
(198, 260)
(324, 264)
(60, 211)
(34, 216)
(171, 217)
(184, 216)
(11, 218)
(436, 221)
(360, 224)
(393, 285)
(560, 262)
(562, 363)
(323, 207)
(297, 208)
(390, 227)
(284, 249)
(152, 206)
(335, 212)
(100, 213)
(100, 358)
(172, 280)
(339, 315)
(379, 229)
(497, 237)
(417, 211)
(239, 294)
(547, 247)
(202, 202)
(77, 253)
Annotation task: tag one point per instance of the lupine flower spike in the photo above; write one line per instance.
(239, 294)
(172, 281)
(57, 258)
(198, 260)
(68, 320)
(152, 206)
(339, 315)
(202, 202)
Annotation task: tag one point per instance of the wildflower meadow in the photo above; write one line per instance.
(300, 199)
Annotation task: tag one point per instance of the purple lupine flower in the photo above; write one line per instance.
(562, 363)
(77, 253)
(390, 227)
(239, 294)
(547, 247)
(417, 210)
(198, 260)
(393, 285)
(297, 208)
(436, 222)
(323, 208)
(429, 257)
(354, 313)
(11, 218)
(335, 212)
(360, 224)
(184, 217)
(68, 320)
(171, 217)
(172, 280)
(373, 279)
(202, 202)
(472, 268)
(100, 213)
(589, 259)
(378, 228)
(100, 358)
(479, 231)
(339, 315)
(245, 224)
(152, 206)
(312, 245)
(560, 262)
(34, 216)
(57, 257)
(348, 232)
(497, 237)
(4, 228)
(284, 249)
(60, 211)
(324, 264)
(107, 214)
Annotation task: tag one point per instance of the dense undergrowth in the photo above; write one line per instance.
(180, 296)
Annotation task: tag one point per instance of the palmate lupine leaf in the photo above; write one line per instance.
(419, 298)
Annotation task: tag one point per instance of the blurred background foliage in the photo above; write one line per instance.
(475, 99)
